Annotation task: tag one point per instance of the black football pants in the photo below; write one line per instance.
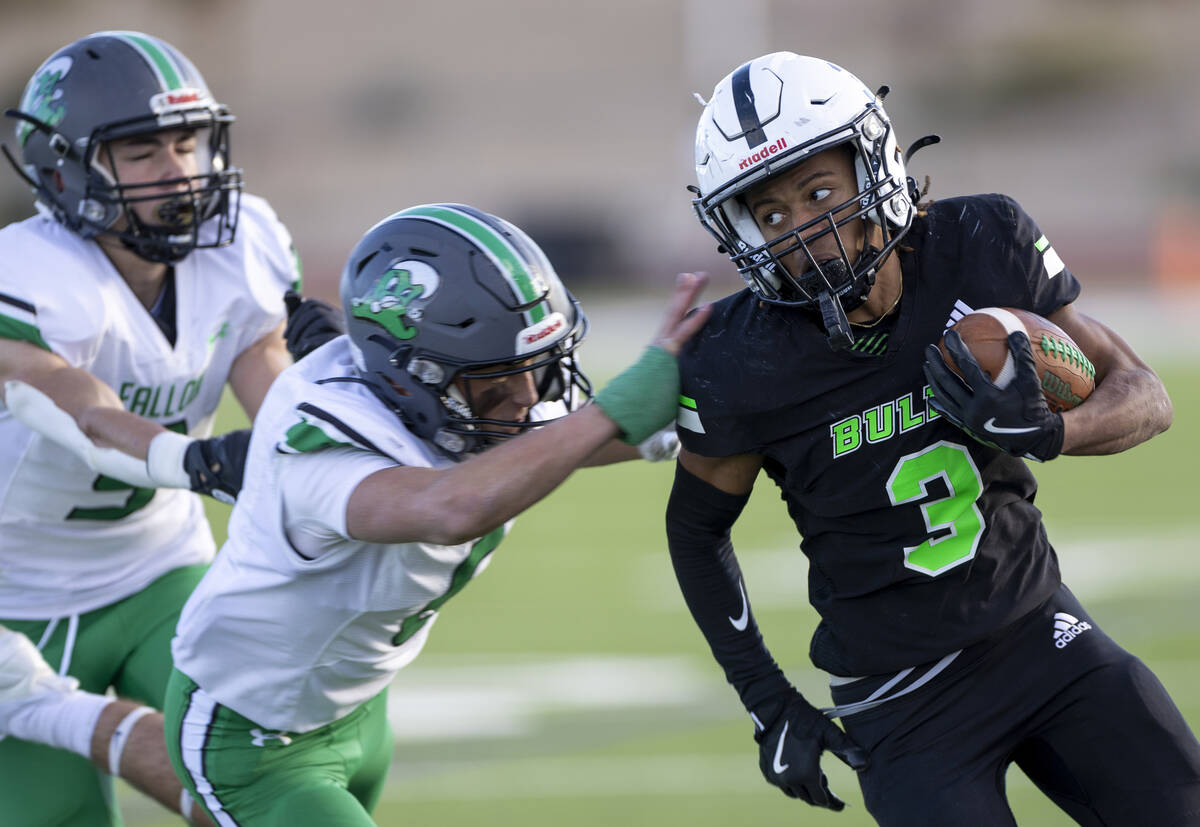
(1088, 722)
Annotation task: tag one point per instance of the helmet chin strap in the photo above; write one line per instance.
(833, 317)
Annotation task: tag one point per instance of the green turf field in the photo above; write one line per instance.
(568, 684)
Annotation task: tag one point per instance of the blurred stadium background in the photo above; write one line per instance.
(568, 685)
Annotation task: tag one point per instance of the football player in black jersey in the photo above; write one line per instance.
(954, 649)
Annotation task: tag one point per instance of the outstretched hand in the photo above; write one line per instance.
(679, 325)
(643, 398)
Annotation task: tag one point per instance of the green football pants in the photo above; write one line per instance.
(248, 776)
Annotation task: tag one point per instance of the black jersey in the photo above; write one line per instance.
(920, 540)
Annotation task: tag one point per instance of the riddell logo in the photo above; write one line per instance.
(763, 154)
(538, 335)
(1067, 628)
(178, 98)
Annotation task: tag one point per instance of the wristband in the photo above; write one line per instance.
(644, 397)
(164, 460)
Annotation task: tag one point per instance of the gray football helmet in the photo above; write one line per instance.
(442, 291)
(113, 85)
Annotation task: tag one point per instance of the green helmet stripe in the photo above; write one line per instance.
(161, 61)
(498, 249)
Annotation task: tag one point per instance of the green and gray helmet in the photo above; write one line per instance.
(113, 85)
(441, 291)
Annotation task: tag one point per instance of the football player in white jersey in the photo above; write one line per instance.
(384, 470)
(146, 284)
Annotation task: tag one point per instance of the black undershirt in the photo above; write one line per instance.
(163, 310)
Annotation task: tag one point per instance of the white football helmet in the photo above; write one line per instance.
(768, 115)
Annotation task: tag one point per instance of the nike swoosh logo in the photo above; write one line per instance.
(991, 427)
(775, 764)
(742, 622)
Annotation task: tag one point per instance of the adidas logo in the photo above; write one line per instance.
(1067, 628)
(961, 308)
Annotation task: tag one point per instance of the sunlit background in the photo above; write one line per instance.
(575, 119)
(568, 685)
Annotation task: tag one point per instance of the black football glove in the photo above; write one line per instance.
(1015, 418)
(216, 466)
(310, 324)
(791, 735)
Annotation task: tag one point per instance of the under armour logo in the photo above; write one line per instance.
(260, 738)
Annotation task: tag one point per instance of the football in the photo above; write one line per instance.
(1066, 374)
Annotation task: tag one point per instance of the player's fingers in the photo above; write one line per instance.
(291, 300)
(687, 288)
(819, 795)
(1022, 353)
(852, 755)
(831, 800)
(967, 365)
(946, 386)
(844, 747)
(686, 329)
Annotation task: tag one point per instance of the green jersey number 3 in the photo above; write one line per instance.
(955, 522)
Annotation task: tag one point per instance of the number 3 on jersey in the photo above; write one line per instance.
(956, 519)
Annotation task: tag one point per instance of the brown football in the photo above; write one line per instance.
(1066, 374)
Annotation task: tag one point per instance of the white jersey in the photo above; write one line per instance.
(296, 624)
(70, 540)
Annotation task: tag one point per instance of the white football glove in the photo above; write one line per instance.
(661, 446)
(162, 468)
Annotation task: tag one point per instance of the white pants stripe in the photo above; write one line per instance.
(193, 734)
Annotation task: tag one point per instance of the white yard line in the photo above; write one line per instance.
(1093, 567)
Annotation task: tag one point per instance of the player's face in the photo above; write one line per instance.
(507, 397)
(801, 194)
(159, 161)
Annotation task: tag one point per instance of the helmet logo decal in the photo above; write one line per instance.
(533, 337)
(42, 97)
(389, 302)
(763, 153)
(179, 99)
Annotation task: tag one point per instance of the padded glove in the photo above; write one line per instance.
(216, 466)
(662, 446)
(310, 324)
(791, 735)
(1014, 418)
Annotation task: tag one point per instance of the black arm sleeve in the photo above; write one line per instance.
(699, 517)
